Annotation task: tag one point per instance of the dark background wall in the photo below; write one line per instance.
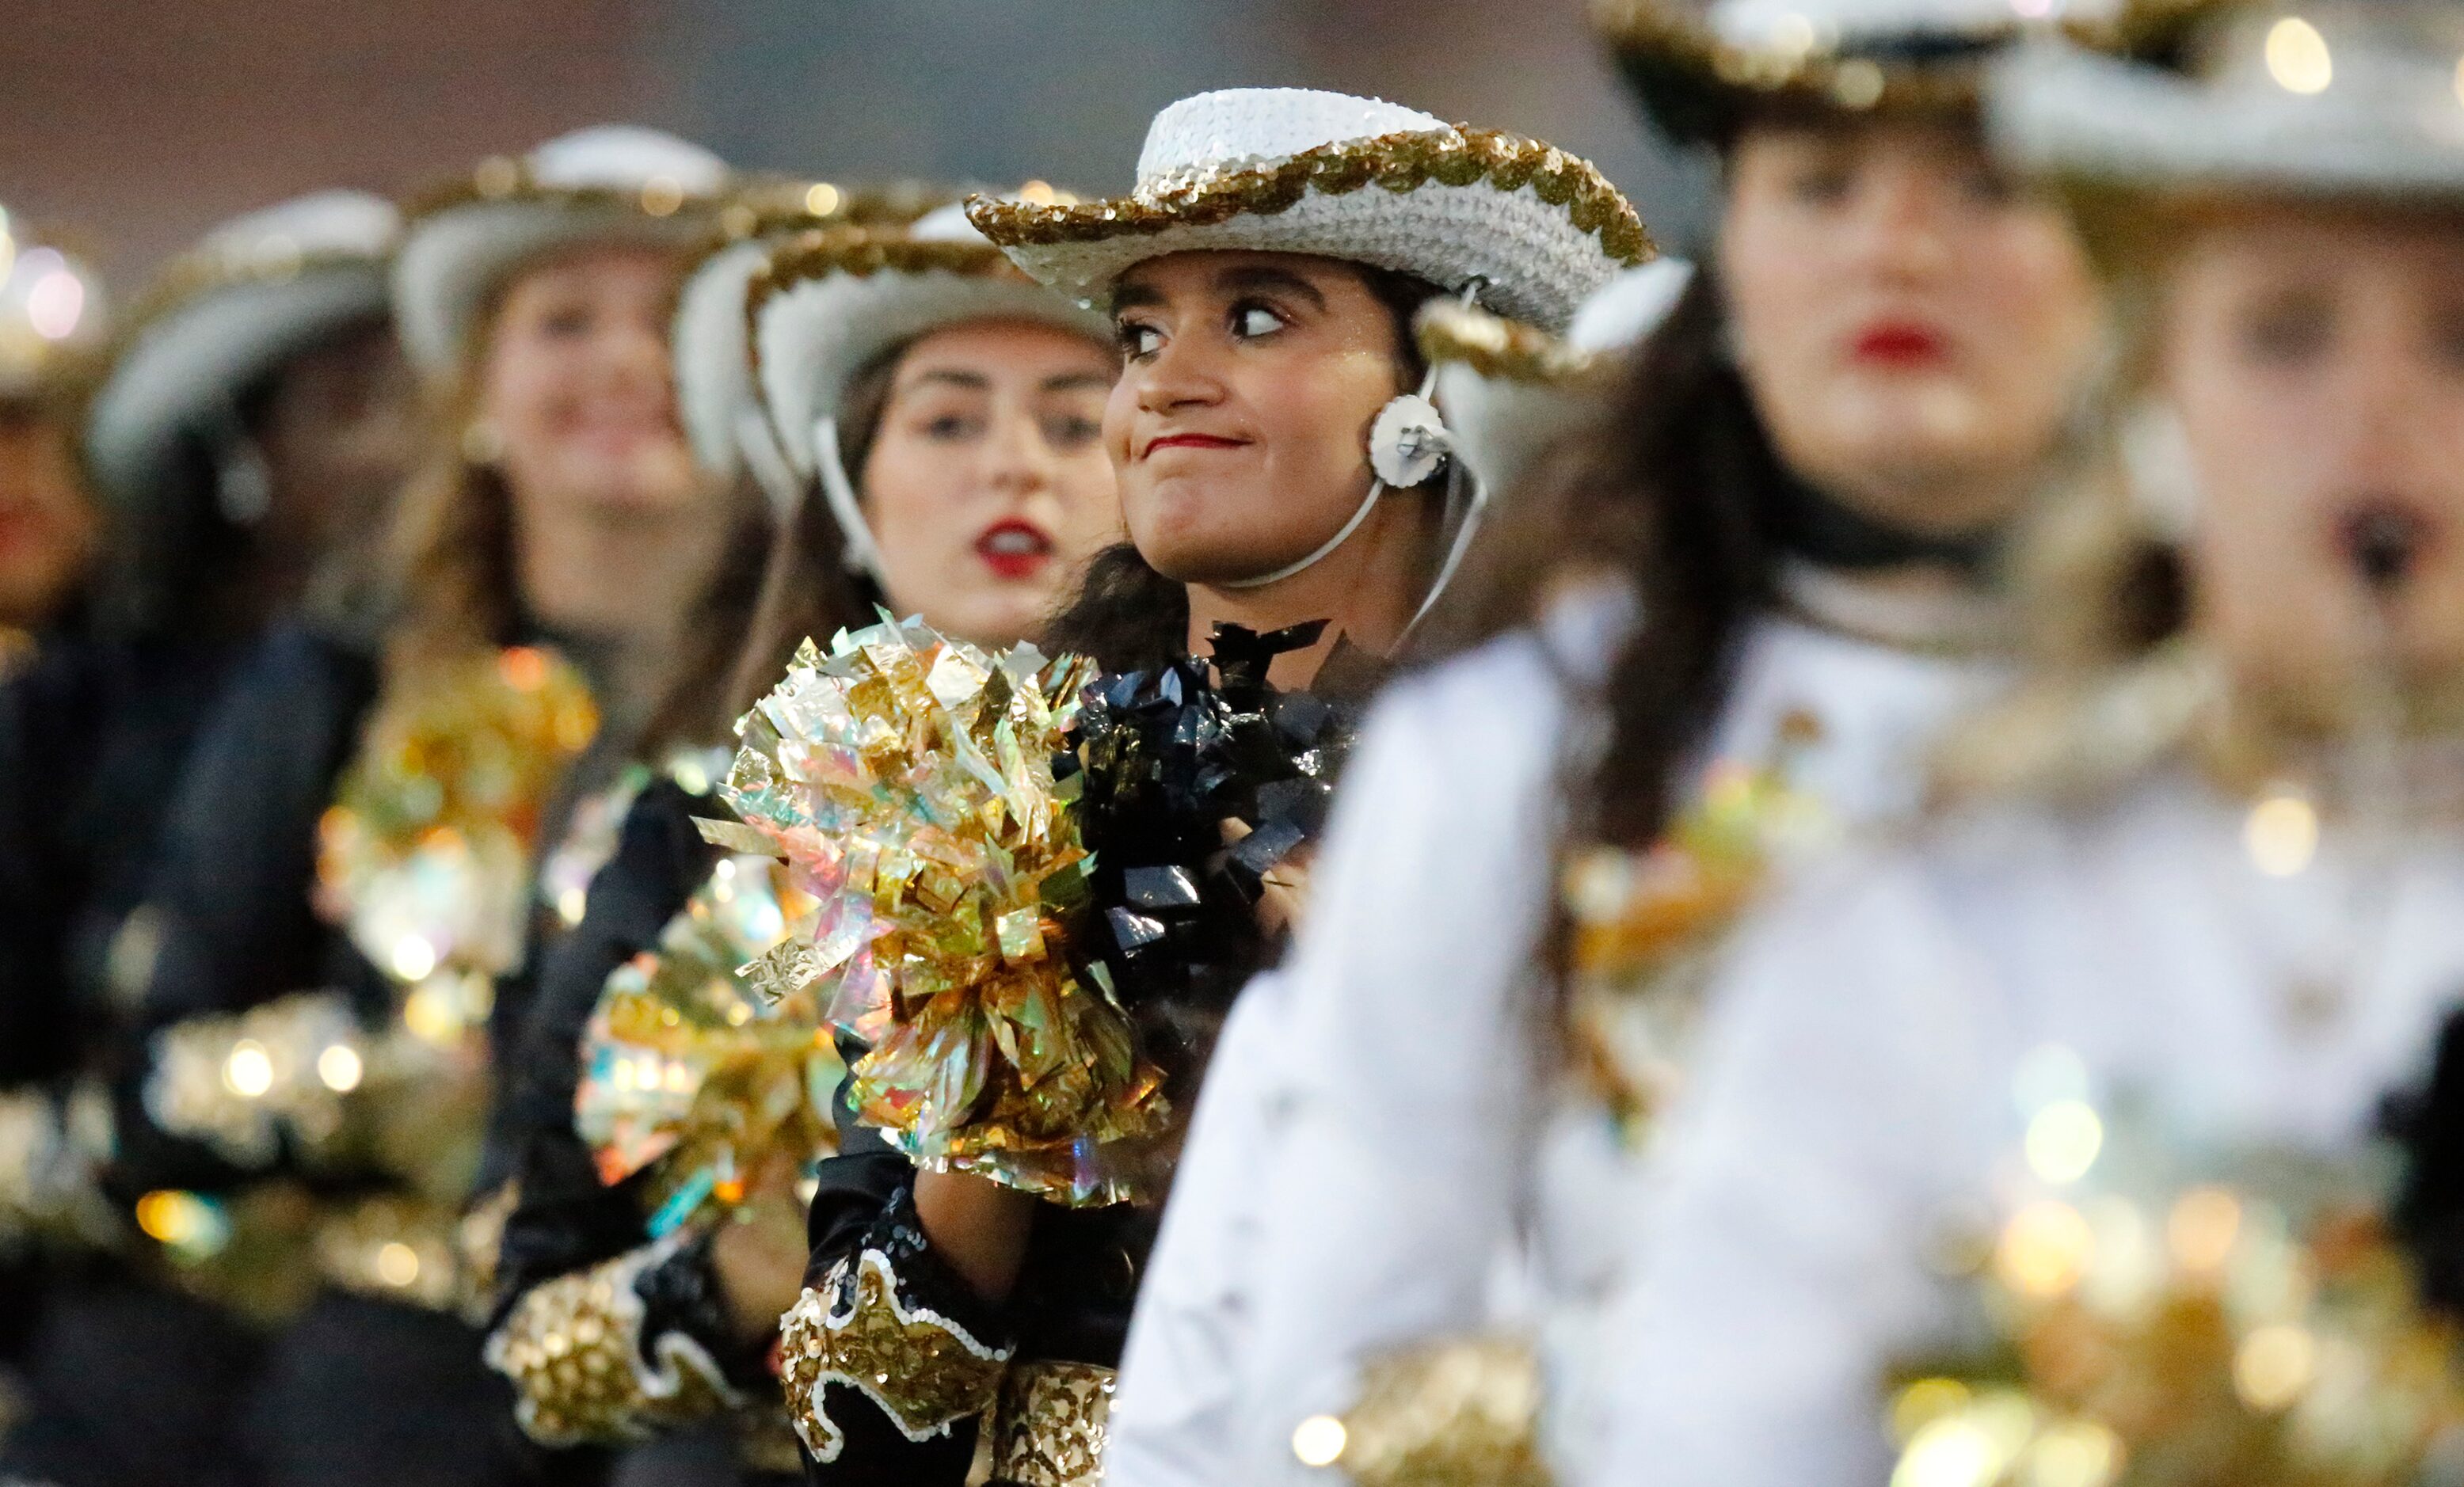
(140, 123)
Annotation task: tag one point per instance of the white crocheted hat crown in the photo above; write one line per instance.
(614, 183)
(1293, 170)
(253, 293)
(2347, 97)
(53, 315)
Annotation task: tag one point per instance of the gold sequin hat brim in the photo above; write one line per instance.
(1703, 69)
(1513, 392)
(829, 303)
(1290, 171)
(613, 185)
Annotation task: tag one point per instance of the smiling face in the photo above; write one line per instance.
(986, 485)
(1241, 421)
(1912, 328)
(2316, 361)
(577, 387)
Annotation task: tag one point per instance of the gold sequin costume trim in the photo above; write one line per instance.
(51, 1155)
(1645, 925)
(1459, 156)
(1049, 1425)
(243, 1082)
(2273, 1332)
(924, 1370)
(1459, 1413)
(396, 1249)
(505, 177)
(572, 1348)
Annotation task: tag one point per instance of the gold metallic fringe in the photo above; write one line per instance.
(1457, 156)
(925, 1370)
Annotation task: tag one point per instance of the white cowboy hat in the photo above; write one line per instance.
(2347, 98)
(1293, 170)
(53, 317)
(716, 399)
(1700, 66)
(613, 183)
(830, 304)
(253, 292)
(1511, 392)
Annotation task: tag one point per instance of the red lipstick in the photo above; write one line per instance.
(1191, 440)
(1899, 344)
(1014, 549)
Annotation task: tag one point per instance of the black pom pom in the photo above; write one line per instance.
(1170, 760)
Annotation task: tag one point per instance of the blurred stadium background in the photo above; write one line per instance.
(137, 123)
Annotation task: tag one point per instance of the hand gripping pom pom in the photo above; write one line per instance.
(908, 780)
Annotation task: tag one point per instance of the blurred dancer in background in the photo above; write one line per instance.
(2067, 1109)
(345, 897)
(654, 1247)
(51, 324)
(1800, 483)
(244, 436)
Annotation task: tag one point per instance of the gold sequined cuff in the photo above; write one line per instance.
(924, 1370)
(1049, 1425)
(1460, 1411)
(575, 1352)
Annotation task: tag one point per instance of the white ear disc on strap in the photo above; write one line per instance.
(862, 555)
(1408, 441)
(1407, 436)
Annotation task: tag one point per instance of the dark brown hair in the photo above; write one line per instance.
(807, 590)
(1671, 492)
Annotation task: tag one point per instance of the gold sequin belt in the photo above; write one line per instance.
(1049, 1425)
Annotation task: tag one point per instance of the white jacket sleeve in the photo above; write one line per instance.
(1175, 1415)
(1846, 1101)
(1397, 1153)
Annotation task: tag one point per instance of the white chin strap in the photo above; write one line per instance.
(1410, 441)
(862, 555)
(1368, 503)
